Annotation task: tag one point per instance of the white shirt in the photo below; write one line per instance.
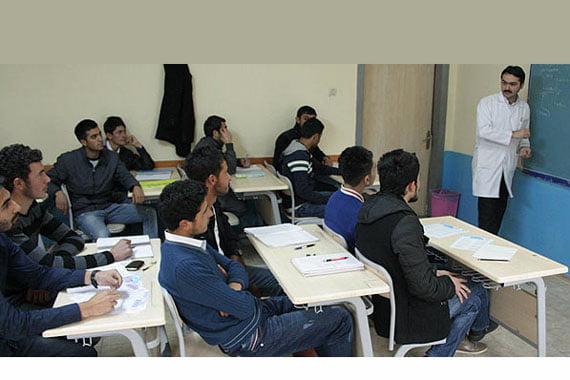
(185, 240)
(496, 151)
(217, 232)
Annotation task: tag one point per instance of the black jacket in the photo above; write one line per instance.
(176, 121)
(228, 238)
(285, 139)
(133, 161)
(229, 154)
(389, 233)
(89, 189)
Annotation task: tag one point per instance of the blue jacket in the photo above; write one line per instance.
(341, 215)
(16, 266)
(200, 292)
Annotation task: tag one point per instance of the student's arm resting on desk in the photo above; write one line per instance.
(408, 244)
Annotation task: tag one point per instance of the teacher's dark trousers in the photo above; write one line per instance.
(491, 210)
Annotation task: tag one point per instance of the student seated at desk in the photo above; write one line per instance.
(27, 181)
(90, 174)
(431, 304)
(209, 291)
(298, 165)
(117, 141)
(208, 165)
(304, 113)
(217, 135)
(20, 331)
(358, 172)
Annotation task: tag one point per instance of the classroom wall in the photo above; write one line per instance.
(41, 104)
(537, 217)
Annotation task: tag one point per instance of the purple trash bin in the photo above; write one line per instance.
(444, 202)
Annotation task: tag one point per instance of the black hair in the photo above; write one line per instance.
(112, 123)
(82, 127)
(202, 162)
(180, 200)
(212, 123)
(355, 163)
(15, 163)
(397, 169)
(311, 127)
(306, 110)
(517, 71)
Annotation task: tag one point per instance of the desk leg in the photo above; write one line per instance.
(274, 215)
(540, 313)
(362, 330)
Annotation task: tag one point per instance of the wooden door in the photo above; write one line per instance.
(397, 113)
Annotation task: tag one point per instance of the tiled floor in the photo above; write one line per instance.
(502, 343)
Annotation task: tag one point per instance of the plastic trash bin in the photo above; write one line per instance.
(444, 202)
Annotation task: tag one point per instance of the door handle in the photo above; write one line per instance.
(428, 138)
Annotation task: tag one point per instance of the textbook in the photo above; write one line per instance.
(281, 235)
(153, 175)
(325, 264)
(139, 243)
(251, 172)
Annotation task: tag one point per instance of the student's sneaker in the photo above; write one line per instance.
(473, 348)
(476, 336)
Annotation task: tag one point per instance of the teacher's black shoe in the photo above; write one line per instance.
(476, 336)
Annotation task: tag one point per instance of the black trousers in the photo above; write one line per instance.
(491, 210)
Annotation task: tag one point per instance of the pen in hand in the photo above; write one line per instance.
(304, 246)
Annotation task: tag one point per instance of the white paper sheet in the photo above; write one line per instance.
(492, 252)
(470, 243)
(440, 230)
(281, 235)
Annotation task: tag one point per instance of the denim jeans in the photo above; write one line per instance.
(264, 280)
(94, 223)
(39, 346)
(310, 209)
(473, 312)
(284, 329)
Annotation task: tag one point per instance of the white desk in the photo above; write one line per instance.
(120, 324)
(265, 187)
(327, 289)
(526, 266)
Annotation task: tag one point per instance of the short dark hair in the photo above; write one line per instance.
(397, 169)
(202, 162)
(355, 163)
(82, 127)
(306, 110)
(112, 123)
(311, 127)
(517, 71)
(213, 123)
(15, 163)
(180, 200)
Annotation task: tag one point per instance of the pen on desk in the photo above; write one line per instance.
(304, 246)
(337, 259)
(149, 265)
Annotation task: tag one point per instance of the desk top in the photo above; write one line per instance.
(524, 265)
(306, 290)
(154, 192)
(268, 182)
(152, 315)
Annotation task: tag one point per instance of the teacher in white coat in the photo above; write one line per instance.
(502, 136)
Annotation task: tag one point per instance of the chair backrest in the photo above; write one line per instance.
(289, 192)
(69, 208)
(337, 237)
(178, 322)
(181, 171)
(388, 280)
(270, 167)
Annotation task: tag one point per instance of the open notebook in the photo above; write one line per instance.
(325, 264)
(140, 244)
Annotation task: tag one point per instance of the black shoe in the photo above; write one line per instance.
(476, 336)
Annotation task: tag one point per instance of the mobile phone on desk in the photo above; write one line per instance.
(134, 265)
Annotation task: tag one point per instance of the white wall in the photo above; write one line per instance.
(41, 104)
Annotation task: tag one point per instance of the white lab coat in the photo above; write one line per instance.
(496, 152)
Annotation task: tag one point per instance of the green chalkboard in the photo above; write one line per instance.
(549, 101)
